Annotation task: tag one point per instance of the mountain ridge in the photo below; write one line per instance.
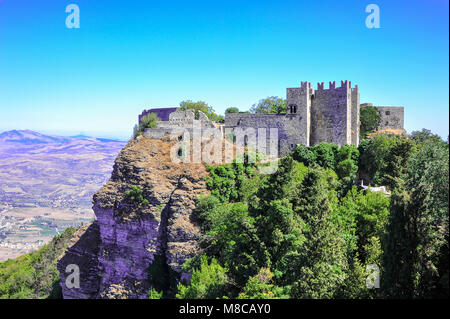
(29, 137)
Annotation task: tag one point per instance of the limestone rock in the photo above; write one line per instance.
(115, 252)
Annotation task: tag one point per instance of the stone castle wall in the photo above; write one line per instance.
(290, 127)
(331, 114)
(355, 115)
(178, 123)
(313, 116)
(392, 117)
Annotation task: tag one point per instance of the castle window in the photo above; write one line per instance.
(292, 108)
(388, 113)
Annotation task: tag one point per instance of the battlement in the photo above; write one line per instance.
(346, 84)
(306, 85)
(332, 86)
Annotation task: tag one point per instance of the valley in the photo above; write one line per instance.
(46, 185)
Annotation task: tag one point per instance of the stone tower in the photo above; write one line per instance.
(325, 115)
(298, 102)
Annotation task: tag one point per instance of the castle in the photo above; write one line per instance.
(313, 116)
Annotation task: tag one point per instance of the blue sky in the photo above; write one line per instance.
(131, 55)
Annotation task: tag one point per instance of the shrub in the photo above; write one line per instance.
(149, 121)
(134, 194)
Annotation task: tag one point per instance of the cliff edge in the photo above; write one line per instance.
(133, 247)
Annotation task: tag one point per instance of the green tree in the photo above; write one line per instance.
(279, 228)
(200, 106)
(413, 246)
(282, 183)
(370, 119)
(209, 281)
(325, 154)
(397, 160)
(232, 110)
(228, 181)
(261, 287)
(425, 137)
(384, 158)
(271, 104)
(305, 155)
(371, 219)
(320, 265)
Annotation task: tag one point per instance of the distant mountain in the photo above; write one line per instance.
(81, 135)
(30, 137)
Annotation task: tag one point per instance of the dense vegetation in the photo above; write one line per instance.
(34, 275)
(369, 118)
(308, 232)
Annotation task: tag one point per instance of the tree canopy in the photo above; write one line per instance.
(200, 106)
(271, 104)
(370, 119)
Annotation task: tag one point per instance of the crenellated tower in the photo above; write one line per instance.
(325, 114)
(298, 103)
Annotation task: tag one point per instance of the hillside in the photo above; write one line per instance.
(46, 184)
(34, 275)
(168, 230)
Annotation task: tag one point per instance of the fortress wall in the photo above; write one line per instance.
(355, 116)
(204, 120)
(159, 133)
(392, 117)
(331, 115)
(181, 118)
(291, 131)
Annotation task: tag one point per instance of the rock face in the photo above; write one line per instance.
(133, 247)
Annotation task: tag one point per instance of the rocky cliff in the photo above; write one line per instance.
(131, 247)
